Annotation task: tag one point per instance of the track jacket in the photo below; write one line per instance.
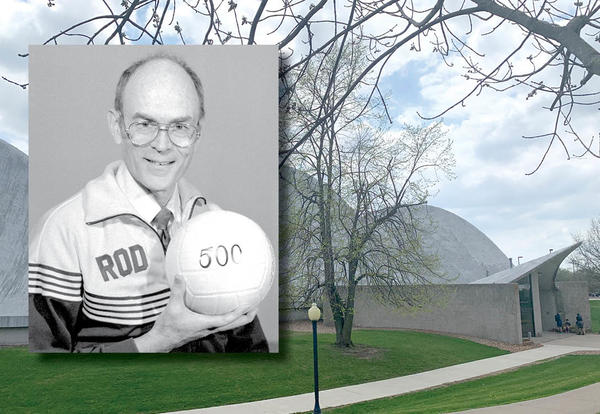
(96, 275)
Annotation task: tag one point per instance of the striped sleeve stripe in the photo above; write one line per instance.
(55, 282)
(45, 283)
(126, 310)
(125, 298)
(121, 320)
(54, 274)
(132, 311)
(117, 305)
(69, 279)
(53, 269)
(132, 316)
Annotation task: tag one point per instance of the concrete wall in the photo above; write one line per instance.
(549, 309)
(537, 308)
(288, 315)
(14, 336)
(14, 322)
(574, 298)
(13, 330)
(484, 311)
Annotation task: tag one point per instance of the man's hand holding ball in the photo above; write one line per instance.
(220, 266)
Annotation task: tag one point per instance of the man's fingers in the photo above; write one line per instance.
(240, 313)
(250, 315)
(219, 321)
(240, 320)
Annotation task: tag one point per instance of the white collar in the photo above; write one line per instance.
(142, 200)
(104, 199)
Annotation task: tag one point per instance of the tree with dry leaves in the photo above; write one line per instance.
(587, 256)
(548, 47)
(348, 197)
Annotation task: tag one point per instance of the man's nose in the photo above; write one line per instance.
(162, 142)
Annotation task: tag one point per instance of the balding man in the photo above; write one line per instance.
(96, 272)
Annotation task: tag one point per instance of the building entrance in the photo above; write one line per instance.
(526, 305)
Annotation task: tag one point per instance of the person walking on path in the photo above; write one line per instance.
(558, 320)
(579, 324)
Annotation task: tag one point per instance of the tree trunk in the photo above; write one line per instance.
(336, 306)
(346, 340)
(346, 336)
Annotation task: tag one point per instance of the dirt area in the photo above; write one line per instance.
(305, 326)
(497, 344)
(586, 353)
(358, 351)
(364, 352)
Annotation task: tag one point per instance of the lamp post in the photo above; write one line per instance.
(314, 313)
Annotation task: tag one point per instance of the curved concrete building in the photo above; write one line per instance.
(481, 295)
(466, 254)
(540, 295)
(13, 244)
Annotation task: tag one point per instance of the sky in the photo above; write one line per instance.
(525, 215)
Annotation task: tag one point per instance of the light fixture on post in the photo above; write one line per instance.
(314, 314)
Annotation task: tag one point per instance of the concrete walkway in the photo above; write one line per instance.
(401, 385)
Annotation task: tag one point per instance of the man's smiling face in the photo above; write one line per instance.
(158, 91)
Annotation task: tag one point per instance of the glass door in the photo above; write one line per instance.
(526, 302)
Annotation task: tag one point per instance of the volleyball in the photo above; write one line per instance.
(225, 259)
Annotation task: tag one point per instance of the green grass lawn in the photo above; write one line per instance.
(128, 383)
(595, 311)
(536, 381)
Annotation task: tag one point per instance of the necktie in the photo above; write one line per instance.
(161, 222)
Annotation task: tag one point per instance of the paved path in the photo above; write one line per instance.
(421, 381)
(583, 400)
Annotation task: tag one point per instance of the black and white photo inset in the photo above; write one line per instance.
(153, 202)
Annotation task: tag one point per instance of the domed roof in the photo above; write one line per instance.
(465, 253)
(13, 233)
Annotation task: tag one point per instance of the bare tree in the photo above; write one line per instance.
(587, 256)
(356, 226)
(347, 218)
(554, 55)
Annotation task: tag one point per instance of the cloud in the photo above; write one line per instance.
(21, 24)
(524, 215)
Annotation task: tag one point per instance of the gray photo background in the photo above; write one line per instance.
(235, 164)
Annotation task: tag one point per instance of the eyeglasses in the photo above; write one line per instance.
(143, 132)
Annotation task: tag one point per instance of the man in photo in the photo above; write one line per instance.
(97, 274)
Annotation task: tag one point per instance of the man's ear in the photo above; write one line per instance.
(200, 128)
(114, 125)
